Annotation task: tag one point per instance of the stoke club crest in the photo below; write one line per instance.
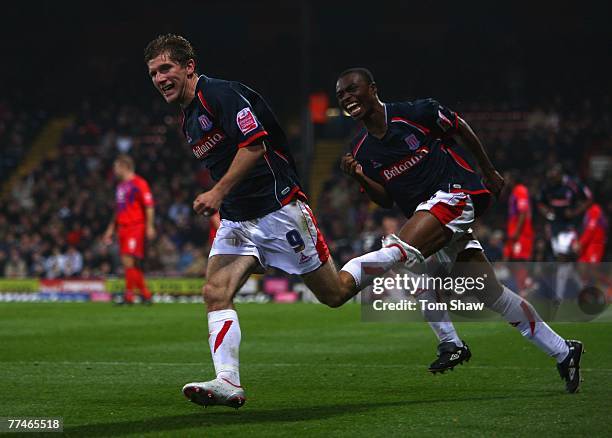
(205, 123)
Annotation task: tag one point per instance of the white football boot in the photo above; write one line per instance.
(411, 255)
(215, 392)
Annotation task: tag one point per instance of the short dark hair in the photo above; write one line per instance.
(178, 48)
(363, 72)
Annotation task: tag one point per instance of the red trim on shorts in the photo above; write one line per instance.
(219, 339)
(447, 213)
(251, 139)
(471, 192)
(530, 317)
(204, 103)
(321, 246)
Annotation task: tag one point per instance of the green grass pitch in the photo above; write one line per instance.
(308, 371)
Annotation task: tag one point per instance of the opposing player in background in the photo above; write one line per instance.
(404, 155)
(563, 202)
(592, 242)
(133, 221)
(265, 220)
(519, 240)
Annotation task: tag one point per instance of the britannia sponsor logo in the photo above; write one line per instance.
(207, 143)
(401, 167)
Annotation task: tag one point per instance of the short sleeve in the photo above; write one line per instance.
(435, 117)
(145, 193)
(237, 117)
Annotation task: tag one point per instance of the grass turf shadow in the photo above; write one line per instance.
(210, 418)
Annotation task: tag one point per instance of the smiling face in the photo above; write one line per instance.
(355, 95)
(171, 78)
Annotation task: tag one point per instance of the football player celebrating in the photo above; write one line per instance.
(404, 155)
(265, 220)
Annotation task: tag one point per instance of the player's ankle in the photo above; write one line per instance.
(230, 377)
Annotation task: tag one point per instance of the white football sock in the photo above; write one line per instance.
(565, 273)
(374, 263)
(524, 317)
(224, 341)
(438, 320)
(561, 280)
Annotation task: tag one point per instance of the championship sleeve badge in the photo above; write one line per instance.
(246, 121)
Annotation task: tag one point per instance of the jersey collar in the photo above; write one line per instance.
(199, 85)
(369, 134)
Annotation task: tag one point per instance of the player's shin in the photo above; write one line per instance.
(438, 320)
(224, 340)
(141, 284)
(520, 314)
(130, 284)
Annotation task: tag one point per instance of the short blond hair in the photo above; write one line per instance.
(125, 160)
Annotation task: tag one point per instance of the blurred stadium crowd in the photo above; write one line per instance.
(52, 220)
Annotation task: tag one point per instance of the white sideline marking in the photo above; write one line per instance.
(281, 365)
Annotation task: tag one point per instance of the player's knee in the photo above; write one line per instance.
(332, 300)
(214, 296)
(127, 261)
(491, 292)
(343, 292)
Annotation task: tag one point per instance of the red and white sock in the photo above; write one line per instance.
(373, 264)
(524, 317)
(224, 340)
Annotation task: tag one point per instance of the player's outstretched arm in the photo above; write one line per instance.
(245, 159)
(466, 137)
(375, 191)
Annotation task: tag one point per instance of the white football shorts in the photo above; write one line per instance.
(288, 239)
(562, 242)
(456, 212)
